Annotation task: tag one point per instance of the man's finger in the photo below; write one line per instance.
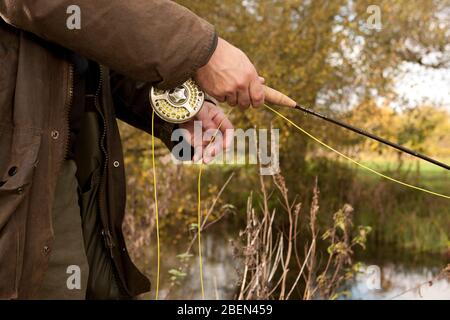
(228, 137)
(221, 99)
(188, 132)
(227, 129)
(257, 93)
(198, 152)
(232, 99)
(243, 97)
(205, 117)
(212, 150)
(212, 137)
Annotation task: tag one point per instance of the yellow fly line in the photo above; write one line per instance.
(199, 228)
(353, 160)
(155, 195)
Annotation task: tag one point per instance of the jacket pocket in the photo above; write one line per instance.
(18, 159)
(17, 163)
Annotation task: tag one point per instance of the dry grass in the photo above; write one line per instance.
(273, 267)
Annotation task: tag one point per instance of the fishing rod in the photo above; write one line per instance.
(182, 103)
(277, 98)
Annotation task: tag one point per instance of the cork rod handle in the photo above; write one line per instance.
(277, 98)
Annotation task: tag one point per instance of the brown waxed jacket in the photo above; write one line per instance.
(153, 41)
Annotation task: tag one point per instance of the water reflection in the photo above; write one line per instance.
(398, 282)
(399, 272)
(219, 271)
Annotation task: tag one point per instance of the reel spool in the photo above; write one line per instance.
(177, 105)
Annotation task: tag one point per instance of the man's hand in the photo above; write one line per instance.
(220, 131)
(230, 77)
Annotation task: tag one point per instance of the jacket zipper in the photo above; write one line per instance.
(67, 109)
(106, 233)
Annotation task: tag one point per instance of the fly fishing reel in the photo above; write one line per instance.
(178, 105)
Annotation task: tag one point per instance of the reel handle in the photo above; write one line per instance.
(277, 98)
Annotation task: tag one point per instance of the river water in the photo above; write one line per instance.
(390, 274)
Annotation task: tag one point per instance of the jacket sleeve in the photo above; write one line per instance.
(132, 105)
(156, 41)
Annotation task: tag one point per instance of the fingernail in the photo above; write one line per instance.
(196, 157)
